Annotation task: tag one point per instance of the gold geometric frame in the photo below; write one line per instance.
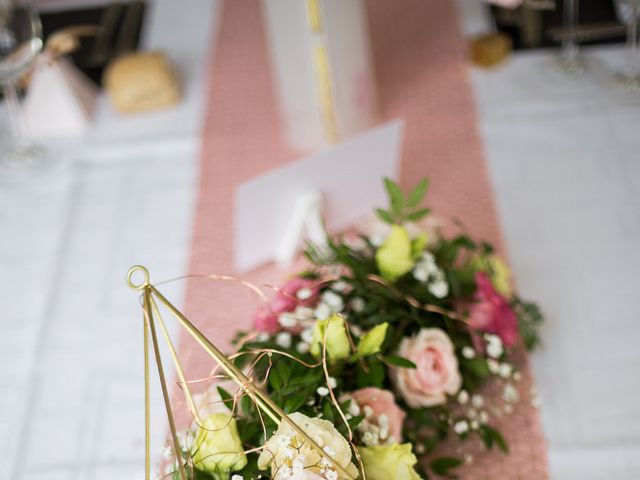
(151, 313)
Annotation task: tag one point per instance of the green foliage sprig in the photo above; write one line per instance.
(404, 208)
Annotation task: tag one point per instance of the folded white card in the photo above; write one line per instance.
(349, 177)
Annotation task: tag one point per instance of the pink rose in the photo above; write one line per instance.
(436, 374)
(491, 312)
(296, 292)
(382, 402)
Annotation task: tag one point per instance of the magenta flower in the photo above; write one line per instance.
(296, 292)
(265, 320)
(491, 313)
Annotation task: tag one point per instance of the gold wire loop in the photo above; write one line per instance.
(145, 277)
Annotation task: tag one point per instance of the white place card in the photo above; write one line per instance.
(348, 176)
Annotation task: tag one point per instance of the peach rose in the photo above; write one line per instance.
(436, 374)
(382, 403)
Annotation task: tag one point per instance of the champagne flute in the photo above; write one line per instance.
(20, 43)
(628, 12)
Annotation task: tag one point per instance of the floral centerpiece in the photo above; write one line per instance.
(378, 351)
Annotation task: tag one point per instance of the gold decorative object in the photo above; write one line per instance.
(151, 315)
(490, 49)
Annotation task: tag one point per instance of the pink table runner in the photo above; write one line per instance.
(421, 74)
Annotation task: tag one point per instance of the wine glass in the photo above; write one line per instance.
(20, 43)
(628, 12)
(570, 60)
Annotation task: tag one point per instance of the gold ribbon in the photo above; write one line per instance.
(322, 71)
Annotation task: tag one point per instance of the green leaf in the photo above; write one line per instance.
(418, 215)
(396, 197)
(417, 194)
(478, 366)
(399, 361)
(442, 465)
(226, 397)
(491, 436)
(498, 439)
(373, 378)
(384, 215)
(246, 404)
(293, 403)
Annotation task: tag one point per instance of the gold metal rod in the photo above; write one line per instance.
(176, 362)
(230, 369)
(262, 400)
(163, 383)
(147, 407)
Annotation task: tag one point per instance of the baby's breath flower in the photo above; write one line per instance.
(493, 366)
(468, 352)
(333, 300)
(283, 339)
(304, 293)
(510, 394)
(322, 311)
(483, 417)
(303, 347)
(461, 427)
(439, 288)
(322, 391)
(307, 335)
(477, 401)
(494, 345)
(505, 370)
(357, 304)
(340, 286)
(287, 320)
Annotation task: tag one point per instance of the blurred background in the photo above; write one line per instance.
(117, 116)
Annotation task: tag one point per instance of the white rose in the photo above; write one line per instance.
(286, 453)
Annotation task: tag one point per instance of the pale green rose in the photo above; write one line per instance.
(338, 346)
(418, 244)
(384, 462)
(394, 258)
(371, 342)
(498, 272)
(217, 448)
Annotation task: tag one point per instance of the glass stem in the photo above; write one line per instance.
(633, 57)
(14, 111)
(569, 44)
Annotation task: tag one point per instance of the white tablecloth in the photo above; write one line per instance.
(563, 157)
